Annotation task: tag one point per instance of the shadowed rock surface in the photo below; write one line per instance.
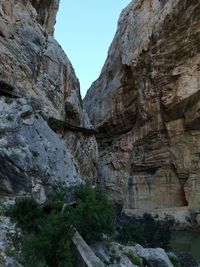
(145, 105)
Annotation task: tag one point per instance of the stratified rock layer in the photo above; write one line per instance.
(36, 73)
(145, 105)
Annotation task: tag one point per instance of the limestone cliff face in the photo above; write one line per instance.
(145, 105)
(46, 13)
(37, 75)
(32, 62)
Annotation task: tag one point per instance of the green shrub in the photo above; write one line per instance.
(163, 236)
(175, 262)
(58, 196)
(147, 232)
(94, 213)
(28, 255)
(132, 233)
(114, 259)
(51, 244)
(25, 213)
(46, 236)
(150, 229)
(134, 259)
(157, 234)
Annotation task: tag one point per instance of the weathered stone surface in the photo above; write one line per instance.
(34, 67)
(153, 256)
(32, 156)
(114, 254)
(46, 13)
(145, 105)
(33, 63)
(7, 229)
(117, 255)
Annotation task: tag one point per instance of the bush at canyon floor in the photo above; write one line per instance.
(47, 229)
(145, 231)
(47, 232)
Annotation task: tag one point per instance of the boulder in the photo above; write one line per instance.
(153, 256)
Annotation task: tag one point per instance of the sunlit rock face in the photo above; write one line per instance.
(32, 62)
(34, 68)
(145, 105)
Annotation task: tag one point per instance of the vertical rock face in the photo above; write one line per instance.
(145, 105)
(37, 75)
(32, 62)
(46, 13)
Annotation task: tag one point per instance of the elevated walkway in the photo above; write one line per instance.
(55, 124)
(59, 124)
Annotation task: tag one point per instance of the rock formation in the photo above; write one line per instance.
(145, 105)
(37, 82)
(117, 255)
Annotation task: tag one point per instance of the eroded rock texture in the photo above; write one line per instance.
(32, 155)
(32, 62)
(36, 72)
(145, 105)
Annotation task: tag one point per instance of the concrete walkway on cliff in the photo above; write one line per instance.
(85, 256)
(7, 91)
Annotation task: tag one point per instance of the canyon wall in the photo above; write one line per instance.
(37, 82)
(145, 105)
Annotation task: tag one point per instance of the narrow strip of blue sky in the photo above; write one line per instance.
(85, 29)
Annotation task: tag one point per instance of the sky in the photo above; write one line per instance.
(85, 29)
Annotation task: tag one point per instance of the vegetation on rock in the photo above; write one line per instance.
(147, 232)
(175, 261)
(47, 230)
(55, 123)
(134, 259)
(94, 213)
(47, 234)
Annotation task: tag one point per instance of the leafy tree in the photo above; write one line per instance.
(150, 229)
(54, 240)
(147, 232)
(26, 213)
(157, 234)
(132, 233)
(59, 195)
(46, 239)
(94, 213)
